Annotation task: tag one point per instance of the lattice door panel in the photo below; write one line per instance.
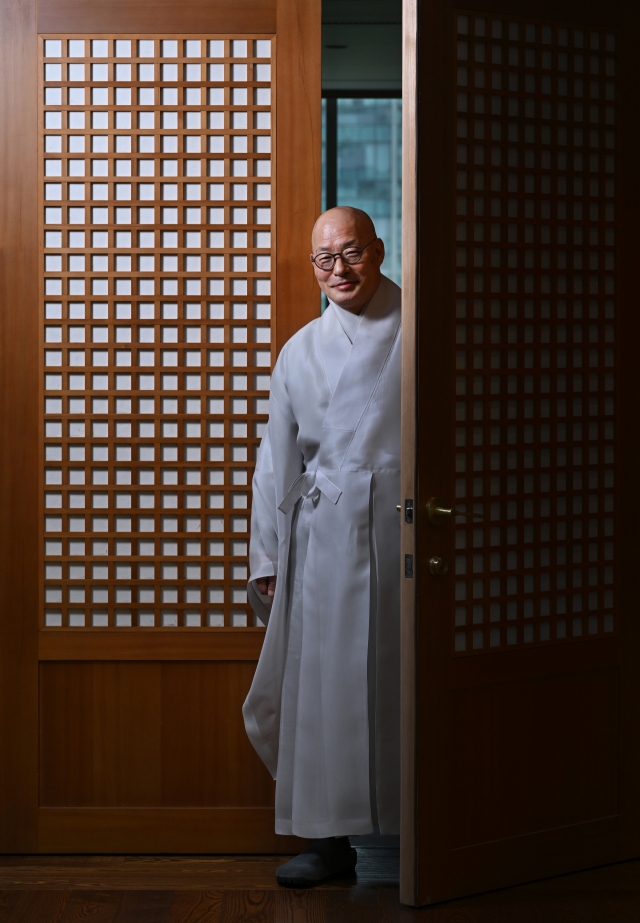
(156, 291)
(536, 333)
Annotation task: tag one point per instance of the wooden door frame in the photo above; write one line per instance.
(408, 843)
(24, 828)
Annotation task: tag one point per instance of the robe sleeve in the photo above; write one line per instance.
(263, 546)
(279, 462)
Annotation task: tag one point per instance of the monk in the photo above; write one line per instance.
(323, 711)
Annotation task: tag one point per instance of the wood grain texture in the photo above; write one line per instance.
(513, 722)
(148, 734)
(196, 907)
(296, 906)
(67, 889)
(121, 762)
(195, 16)
(408, 437)
(100, 734)
(97, 906)
(298, 155)
(377, 868)
(39, 904)
(202, 721)
(169, 830)
(345, 905)
(253, 906)
(158, 644)
(19, 550)
(547, 904)
(150, 906)
(565, 682)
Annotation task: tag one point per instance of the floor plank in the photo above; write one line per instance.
(356, 905)
(177, 872)
(300, 906)
(94, 906)
(144, 907)
(242, 889)
(9, 900)
(37, 905)
(196, 907)
(249, 906)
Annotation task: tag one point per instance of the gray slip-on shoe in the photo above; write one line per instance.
(321, 859)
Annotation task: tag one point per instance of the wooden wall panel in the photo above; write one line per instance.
(523, 744)
(202, 721)
(141, 644)
(128, 733)
(298, 164)
(147, 734)
(194, 16)
(100, 734)
(168, 830)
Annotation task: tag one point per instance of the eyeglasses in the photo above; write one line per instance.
(352, 255)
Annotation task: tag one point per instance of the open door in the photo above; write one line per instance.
(160, 171)
(520, 630)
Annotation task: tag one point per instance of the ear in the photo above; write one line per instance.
(380, 251)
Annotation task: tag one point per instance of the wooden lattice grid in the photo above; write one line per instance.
(535, 333)
(156, 291)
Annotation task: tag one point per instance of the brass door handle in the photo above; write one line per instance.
(438, 567)
(439, 510)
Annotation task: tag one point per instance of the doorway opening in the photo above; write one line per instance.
(362, 115)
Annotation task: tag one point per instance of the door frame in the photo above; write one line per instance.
(408, 673)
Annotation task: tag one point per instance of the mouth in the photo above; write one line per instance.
(344, 286)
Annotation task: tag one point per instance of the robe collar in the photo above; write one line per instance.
(365, 362)
(334, 346)
(374, 340)
(348, 320)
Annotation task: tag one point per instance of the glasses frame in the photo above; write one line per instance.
(340, 254)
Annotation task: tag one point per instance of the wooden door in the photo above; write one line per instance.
(160, 178)
(521, 692)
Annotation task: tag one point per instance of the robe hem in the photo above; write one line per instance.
(356, 827)
(259, 744)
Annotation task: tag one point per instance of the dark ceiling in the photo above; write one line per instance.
(362, 44)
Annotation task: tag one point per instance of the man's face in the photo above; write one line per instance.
(349, 285)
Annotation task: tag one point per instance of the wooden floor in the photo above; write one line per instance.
(241, 889)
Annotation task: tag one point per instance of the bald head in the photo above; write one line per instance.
(349, 285)
(342, 219)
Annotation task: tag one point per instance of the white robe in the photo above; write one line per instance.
(323, 711)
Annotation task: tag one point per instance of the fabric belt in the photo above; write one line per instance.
(310, 484)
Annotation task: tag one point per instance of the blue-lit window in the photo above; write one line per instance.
(361, 165)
